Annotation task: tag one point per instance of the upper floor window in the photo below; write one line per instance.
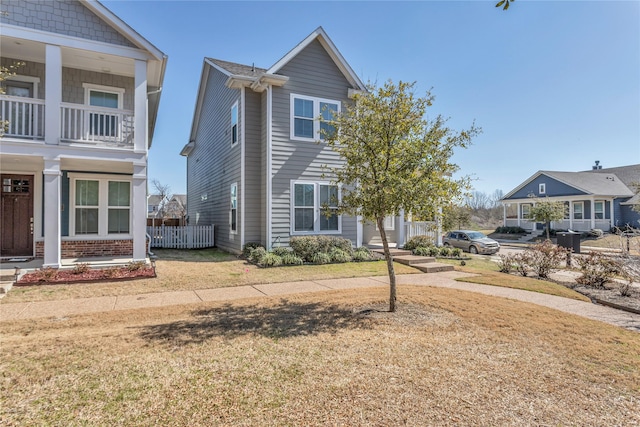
(542, 189)
(305, 116)
(234, 123)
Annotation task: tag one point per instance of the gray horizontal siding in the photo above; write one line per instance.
(214, 164)
(311, 73)
(552, 188)
(254, 170)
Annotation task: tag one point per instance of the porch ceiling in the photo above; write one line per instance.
(29, 50)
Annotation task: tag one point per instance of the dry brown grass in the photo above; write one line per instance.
(614, 242)
(447, 357)
(205, 269)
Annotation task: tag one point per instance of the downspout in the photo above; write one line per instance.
(269, 172)
(242, 164)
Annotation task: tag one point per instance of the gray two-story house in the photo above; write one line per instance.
(256, 164)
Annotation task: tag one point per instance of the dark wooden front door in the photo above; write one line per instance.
(17, 215)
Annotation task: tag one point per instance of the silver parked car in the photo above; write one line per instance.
(471, 241)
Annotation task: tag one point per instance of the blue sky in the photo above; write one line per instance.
(555, 85)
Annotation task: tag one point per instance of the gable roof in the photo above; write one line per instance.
(597, 182)
(240, 75)
(320, 35)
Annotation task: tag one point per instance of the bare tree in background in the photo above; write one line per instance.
(162, 191)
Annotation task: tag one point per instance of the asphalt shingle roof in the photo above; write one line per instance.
(593, 183)
(238, 69)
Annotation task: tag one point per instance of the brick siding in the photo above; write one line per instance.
(91, 248)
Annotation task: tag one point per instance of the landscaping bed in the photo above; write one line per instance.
(83, 274)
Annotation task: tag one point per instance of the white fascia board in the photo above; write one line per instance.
(518, 188)
(123, 28)
(204, 77)
(187, 149)
(74, 42)
(238, 82)
(333, 51)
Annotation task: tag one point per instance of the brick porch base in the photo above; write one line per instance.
(91, 248)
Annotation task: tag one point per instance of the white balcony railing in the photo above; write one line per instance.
(24, 117)
(86, 124)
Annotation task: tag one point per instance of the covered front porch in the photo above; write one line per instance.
(580, 214)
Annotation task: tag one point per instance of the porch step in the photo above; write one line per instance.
(394, 252)
(433, 267)
(412, 260)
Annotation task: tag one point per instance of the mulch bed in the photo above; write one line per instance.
(611, 296)
(112, 274)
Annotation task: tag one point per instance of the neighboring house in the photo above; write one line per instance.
(254, 163)
(173, 208)
(82, 111)
(598, 198)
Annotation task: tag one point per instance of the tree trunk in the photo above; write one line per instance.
(392, 272)
(548, 225)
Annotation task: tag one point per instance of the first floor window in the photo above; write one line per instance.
(578, 210)
(598, 210)
(87, 206)
(315, 208)
(526, 211)
(101, 206)
(234, 207)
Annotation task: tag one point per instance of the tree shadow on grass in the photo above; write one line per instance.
(285, 320)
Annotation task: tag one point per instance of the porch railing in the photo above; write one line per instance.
(24, 117)
(182, 237)
(423, 228)
(82, 123)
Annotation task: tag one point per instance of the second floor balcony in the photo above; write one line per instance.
(24, 119)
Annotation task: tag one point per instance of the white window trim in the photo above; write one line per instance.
(35, 81)
(315, 118)
(528, 206)
(235, 105)
(317, 209)
(88, 87)
(103, 204)
(573, 214)
(235, 184)
(542, 188)
(604, 207)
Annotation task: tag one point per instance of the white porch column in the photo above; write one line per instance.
(612, 221)
(139, 212)
(52, 196)
(359, 231)
(571, 215)
(52, 94)
(519, 214)
(504, 215)
(140, 136)
(439, 227)
(401, 235)
(593, 212)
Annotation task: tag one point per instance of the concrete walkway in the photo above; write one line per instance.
(64, 308)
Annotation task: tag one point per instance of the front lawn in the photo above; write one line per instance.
(202, 269)
(447, 357)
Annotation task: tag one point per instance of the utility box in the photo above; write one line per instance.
(569, 240)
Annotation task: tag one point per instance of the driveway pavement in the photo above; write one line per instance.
(64, 308)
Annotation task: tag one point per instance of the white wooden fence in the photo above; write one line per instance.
(183, 237)
(423, 228)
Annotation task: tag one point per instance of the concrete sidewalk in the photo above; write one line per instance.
(64, 308)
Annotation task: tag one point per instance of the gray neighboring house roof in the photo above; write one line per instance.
(615, 182)
(592, 183)
(233, 68)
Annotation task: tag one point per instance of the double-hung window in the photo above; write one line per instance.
(598, 209)
(234, 123)
(233, 214)
(525, 211)
(578, 210)
(305, 117)
(101, 206)
(314, 208)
